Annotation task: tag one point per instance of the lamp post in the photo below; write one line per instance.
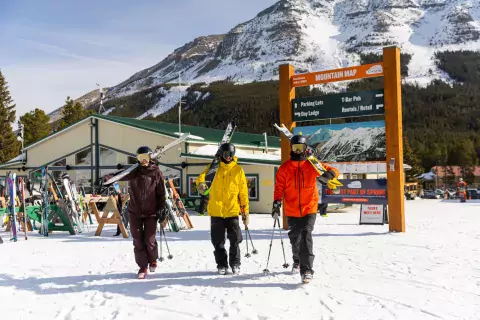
(100, 109)
(179, 106)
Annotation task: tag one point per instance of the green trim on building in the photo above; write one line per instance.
(171, 130)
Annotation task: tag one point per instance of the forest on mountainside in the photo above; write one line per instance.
(440, 121)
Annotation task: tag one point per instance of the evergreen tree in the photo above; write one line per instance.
(9, 145)
(36, 126)
(467, 158)
(410, 158)
(450, 177)
(71, 113)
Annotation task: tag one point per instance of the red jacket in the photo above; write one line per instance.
(296, 182)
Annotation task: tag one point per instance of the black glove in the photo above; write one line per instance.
(326, 176)
(277, 204)
(162, 215)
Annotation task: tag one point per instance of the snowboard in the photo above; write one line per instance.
(12, 197)
(332, 184)
(181, 208)
(24, 208)
(213, 167)
(44, 221)
(157, 154)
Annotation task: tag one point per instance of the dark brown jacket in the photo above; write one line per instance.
(147, 191)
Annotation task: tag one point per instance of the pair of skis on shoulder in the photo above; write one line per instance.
(213, 167)
(332, 184)
(157, 154)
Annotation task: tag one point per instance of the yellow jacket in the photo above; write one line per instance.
(228, 191)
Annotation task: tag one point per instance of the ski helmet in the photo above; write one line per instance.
(298, 142)
(143, 153)
(227, 150)
(144, 149)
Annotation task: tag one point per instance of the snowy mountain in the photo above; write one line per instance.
(350, 145)
(319, 35)
(320, 136)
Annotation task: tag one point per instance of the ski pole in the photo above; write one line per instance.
(254, 251)
(266, 271)
(247, 255)
(161, 253)
(170, 256)
(285, 264)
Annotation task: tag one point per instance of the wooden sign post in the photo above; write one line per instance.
(390, 70)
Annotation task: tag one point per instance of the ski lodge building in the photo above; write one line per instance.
(99, 145)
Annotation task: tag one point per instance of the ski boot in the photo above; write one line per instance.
(153, 266)
(236, 270)
(142, 273)
(222, 271)
(307, 277)
(295, 268)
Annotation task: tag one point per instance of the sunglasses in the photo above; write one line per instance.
(143, 156)
(298, 147)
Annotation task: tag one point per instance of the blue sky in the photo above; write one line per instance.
(52, 49)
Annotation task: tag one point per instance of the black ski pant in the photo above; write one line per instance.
(300, 234)
(145, 246)
(234, 234)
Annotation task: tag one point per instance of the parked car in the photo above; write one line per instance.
(430, 194)
(473, 194)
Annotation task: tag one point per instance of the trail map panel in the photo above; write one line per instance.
(341, 105)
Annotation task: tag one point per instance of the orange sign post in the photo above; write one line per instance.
(390, 70)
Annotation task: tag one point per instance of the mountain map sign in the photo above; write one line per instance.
(341, 105)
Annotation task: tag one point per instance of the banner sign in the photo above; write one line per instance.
(365, 191)
(372, 214)
(340, 105)
(349, 73)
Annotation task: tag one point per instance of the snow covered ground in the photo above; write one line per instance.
(362, 272)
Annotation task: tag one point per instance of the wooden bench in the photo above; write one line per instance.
(111, 206)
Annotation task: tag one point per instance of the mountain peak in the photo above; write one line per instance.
(320, 35)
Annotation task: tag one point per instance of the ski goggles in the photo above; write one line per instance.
(298, 147)
(143, 156)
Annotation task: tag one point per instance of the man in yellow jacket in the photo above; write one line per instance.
(228, 198)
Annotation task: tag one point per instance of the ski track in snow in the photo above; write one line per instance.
(361, 272)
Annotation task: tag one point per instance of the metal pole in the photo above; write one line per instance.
(91, 156)
(22, 133)
(266, 142)
(179, 108)
(100, 110)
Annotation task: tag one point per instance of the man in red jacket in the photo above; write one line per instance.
(295, 183)
(146, 206)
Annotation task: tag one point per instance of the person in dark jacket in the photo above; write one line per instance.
(145, 208)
